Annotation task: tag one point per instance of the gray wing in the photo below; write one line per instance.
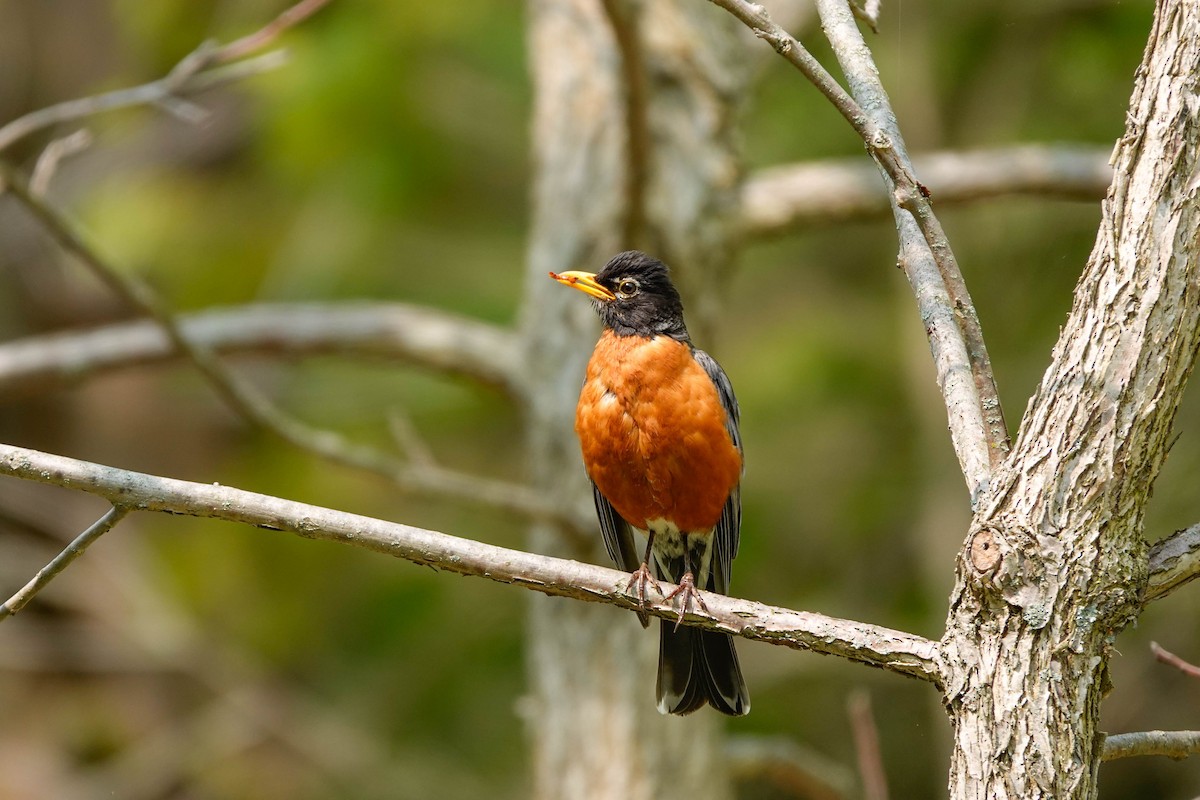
(618, 540)
(618, 536)
(728, 530)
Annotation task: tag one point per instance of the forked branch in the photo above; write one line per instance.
(252, 405)
(977, 426)
(206, 67)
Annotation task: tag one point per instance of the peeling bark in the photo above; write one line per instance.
(1056, 564)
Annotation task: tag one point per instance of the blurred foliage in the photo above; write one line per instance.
(390, 159)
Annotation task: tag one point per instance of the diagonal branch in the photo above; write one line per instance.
(268, 33)
(60, 562)
(778, 199)
(855, 59)
(206, 67)
(441, 341)
(977, 427)
(1174, 561)
(892, 650)
(252, 405)
(1167, 657)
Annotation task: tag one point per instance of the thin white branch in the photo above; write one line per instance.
(868, 12)
(53, 155)
(438, 340)
(977, 428)
(892, 650)
(778, 199)
(60, 562)
(1174, 561)
(152, 93)
(923, 240)
(1173, 744)
(207, 66)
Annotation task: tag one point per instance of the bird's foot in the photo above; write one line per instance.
(687, 588)
(639, 580)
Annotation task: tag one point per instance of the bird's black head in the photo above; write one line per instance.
(633, 295)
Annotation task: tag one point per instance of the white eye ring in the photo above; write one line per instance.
(627, 287)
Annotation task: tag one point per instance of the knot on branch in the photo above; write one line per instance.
(984, 552)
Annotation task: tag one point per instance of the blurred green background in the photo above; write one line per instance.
(390, 160)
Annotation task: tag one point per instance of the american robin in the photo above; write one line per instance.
(658, 424)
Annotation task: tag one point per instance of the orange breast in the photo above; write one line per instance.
(653, 434)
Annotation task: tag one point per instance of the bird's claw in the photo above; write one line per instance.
(639, 580)
(687, 588)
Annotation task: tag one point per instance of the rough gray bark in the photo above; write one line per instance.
(1055, 564)
(654, 167)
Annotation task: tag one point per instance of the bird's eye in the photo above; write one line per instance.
(627, 287)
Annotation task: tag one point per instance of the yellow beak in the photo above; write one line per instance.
(584, 282)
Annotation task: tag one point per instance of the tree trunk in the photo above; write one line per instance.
(649, 166)
(1055, 563)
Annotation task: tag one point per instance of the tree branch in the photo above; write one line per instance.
(887, 146)
(245, 400)
(438, 340)
(892, 650)
(205, 67)
(271, 31)
(1167, 657)
(60, 562)
(1174, 561)
(776, 200)
(1173, 744)
(977, 427)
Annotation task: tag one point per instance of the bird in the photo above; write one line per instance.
(657, 422)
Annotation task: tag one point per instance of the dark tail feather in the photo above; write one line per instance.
(695, 667)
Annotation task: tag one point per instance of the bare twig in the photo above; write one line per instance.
(445, 342)
(255, 407)
(798, 770)
(778, 199)
(199, 70)
(1167, 657)
(1173, 744)
(866, 745)
(977, 427)
(756, 18)
(53, 155)
(868, 12)
(1174, 561)
(269, 32)
(860, 70)
(892, 650)
(62, 560)
(152, 93)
